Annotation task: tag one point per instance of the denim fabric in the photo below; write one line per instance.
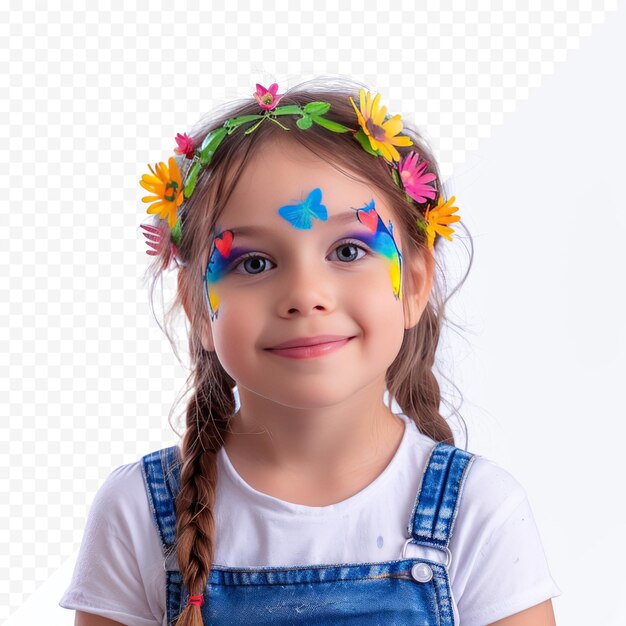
(404, 591)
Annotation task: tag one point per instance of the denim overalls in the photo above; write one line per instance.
(407, 591)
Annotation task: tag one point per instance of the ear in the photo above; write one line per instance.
(419, 273)
(184, 289)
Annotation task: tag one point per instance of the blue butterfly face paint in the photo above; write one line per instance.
(301, 215)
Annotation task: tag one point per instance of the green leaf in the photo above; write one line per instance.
(176, 233)
(290, 109)
(316, 108)
(209, 147)
(304, 122)
(211, 137)
(330, 125)
(190, 182)
(365, 142)
(422, 224)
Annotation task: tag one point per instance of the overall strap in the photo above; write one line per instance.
(437, 501)
(161, 473)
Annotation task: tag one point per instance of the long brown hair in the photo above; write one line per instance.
(410, 378)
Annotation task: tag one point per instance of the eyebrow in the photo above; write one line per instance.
(339, 218)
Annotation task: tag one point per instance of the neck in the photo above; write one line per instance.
(317, 441)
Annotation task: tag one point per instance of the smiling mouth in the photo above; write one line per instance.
(313, 350)
(301, 342)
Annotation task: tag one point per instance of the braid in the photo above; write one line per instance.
(208, 414)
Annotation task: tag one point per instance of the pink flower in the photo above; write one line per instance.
(185, 146)
(414, 180)
(267, 98)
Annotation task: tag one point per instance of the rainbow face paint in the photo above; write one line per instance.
(222, 256)
(381, 240)
(301, 215)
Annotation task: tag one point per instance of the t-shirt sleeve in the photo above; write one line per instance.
(119, 571)
(503, 567)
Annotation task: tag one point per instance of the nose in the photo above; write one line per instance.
(305, 290)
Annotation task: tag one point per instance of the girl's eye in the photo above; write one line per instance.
(251, 264)
(349, 251)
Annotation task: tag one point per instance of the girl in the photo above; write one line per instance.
(304, 227)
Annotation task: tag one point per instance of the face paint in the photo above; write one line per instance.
(301, 215)
(382, 241)
(379, 238)
(222, 256)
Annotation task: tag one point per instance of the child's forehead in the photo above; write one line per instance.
(276, 177)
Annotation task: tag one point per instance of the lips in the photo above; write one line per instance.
(308, 341)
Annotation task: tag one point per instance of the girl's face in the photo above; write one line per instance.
(303, 251)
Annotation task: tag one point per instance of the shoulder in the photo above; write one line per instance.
(121, 499)
(487, 493)
(490, 491)
(121, 477)
(122, 507)
(487, 488)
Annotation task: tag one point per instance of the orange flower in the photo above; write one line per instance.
(437, 219)
(167, 185)
(382, 135)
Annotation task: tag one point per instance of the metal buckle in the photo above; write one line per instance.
(446, 550)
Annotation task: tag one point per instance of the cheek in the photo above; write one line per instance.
(238, 323)
(389, 269)
(382, 280)
(380, 316)
(374, 295)
(231, 330)
(219, 301)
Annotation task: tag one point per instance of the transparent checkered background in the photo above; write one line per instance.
(89, 97)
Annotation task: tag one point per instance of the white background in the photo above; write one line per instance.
(524, 107)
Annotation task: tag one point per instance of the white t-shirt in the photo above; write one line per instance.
(498, 564)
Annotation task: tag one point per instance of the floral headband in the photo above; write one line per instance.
(171, 187)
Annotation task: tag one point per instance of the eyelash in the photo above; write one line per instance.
(253, 255)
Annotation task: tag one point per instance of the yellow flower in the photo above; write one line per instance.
(382, 136)
(439, 216)
(167, 185)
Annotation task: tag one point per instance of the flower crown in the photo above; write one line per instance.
(377, 135)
